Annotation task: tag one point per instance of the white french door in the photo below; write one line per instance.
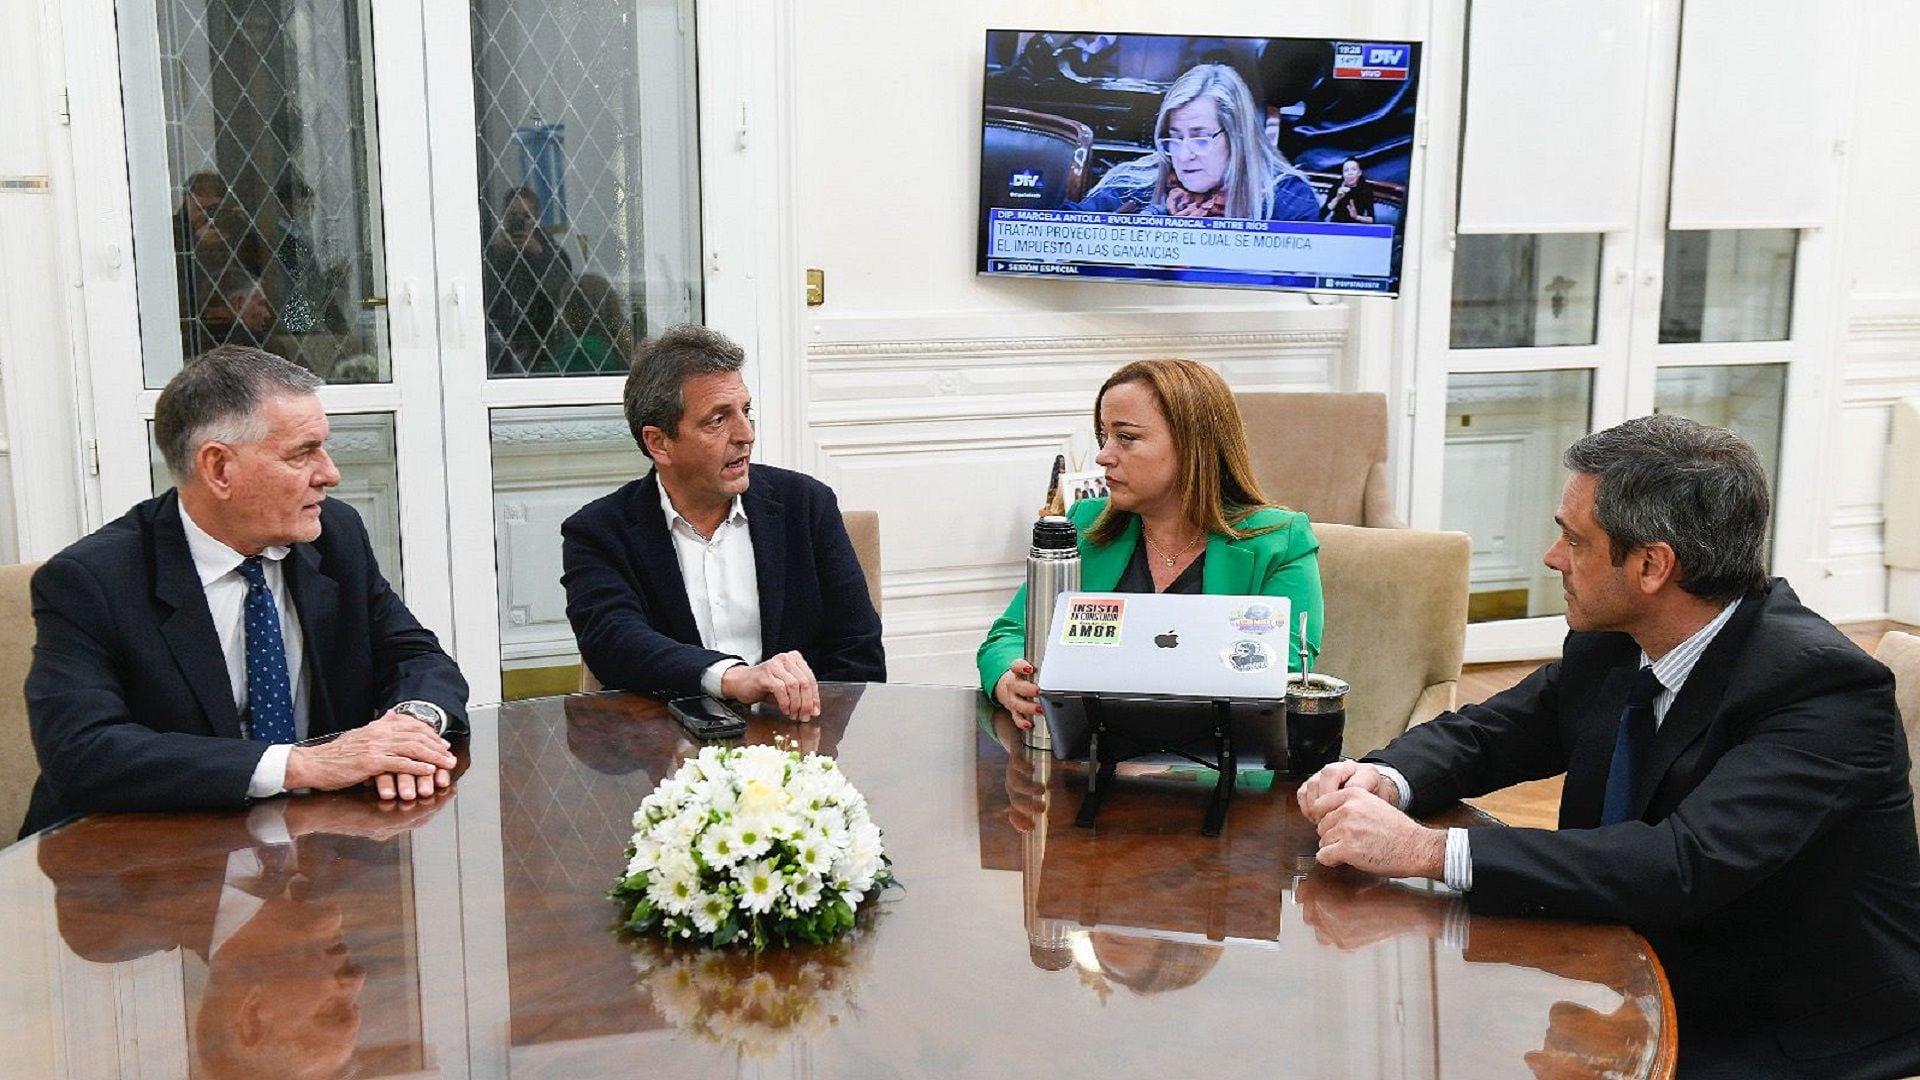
(462, 213)
(1601, 255)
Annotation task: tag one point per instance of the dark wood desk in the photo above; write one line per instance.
(470, 938)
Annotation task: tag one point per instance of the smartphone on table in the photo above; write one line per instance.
(706, 718)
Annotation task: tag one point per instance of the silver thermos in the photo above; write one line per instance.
(1053, 567)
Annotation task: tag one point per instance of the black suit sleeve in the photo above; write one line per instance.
(618, 640)
(1811, 759)
(94, 752)
(409, 663)
(1511, 738)
(848, 648)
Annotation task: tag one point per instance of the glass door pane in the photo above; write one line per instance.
(1505, 432)
(256, 182)
(547, 463)
(588, 180)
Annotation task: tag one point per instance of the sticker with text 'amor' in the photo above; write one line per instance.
(1093, 621)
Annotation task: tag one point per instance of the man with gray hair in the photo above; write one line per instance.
(1736, 775)
(233, 639)
(710, 574)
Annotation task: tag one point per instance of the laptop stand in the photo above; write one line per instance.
(1103, 757)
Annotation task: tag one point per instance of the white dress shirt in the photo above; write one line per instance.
(219, 569)
(723, 587)
(1672, 670)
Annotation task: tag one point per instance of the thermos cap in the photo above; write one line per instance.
(1054, 533)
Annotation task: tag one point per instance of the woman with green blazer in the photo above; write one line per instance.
(1183, 515)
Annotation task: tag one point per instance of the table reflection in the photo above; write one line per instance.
(1144, 902)
(280, 920)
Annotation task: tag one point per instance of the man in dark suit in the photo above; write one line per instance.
(233, 638)
(1736, 776)
(709, 574)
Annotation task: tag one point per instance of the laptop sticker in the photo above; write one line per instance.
(1247, 655)
(1254, 619)
(1093, 621)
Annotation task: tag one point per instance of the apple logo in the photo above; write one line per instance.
(1168, 640)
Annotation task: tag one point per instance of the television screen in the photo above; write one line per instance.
(1277, 163)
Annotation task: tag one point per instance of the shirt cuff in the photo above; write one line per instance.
(1459, 861)
(710, 678)
(270, 774)
(1399, 784)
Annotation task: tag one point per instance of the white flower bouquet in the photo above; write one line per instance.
(751, 844)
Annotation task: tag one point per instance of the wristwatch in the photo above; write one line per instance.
(426, 712)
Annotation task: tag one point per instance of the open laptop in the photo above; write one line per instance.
(1157, 662)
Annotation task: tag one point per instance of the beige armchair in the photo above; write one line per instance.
(1323, 454)
(863, 528)
(1901, 652)
(1396, 625)
(19, 768)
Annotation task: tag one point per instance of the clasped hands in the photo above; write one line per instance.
(401, 756)
(1361, 825)
(784, 678)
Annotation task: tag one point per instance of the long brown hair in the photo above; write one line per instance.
(1217, 488)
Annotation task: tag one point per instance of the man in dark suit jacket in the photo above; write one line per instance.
(1736, 775)
(709, 574)
(153, 686)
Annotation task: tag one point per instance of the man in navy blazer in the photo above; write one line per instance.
(1736, 774)
(154, 685)
(711, 574)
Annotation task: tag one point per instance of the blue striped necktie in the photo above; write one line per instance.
(269, 695)
(1630, 747)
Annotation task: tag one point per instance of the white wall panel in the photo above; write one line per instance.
(1759, 112)
(1555, 92)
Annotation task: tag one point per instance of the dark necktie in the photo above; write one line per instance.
(269, 697)
(1630, 748)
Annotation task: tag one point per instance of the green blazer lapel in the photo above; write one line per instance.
(1229, 569)
(1101, 567)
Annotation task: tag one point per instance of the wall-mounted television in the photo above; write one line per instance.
(1272, 163)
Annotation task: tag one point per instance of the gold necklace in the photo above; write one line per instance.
(1162, 555)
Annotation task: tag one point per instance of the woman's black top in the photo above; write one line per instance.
(1138, 577)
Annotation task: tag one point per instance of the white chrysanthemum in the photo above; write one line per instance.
(804, 890)
(720, 846)
(646, 855)
(833, 833)
(760, 886)
(813, 857)
(675, 863)
(673, 893)
(761, 764)
(751, 837)
(708, 910)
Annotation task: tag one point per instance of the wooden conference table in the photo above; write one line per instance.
(471, 937)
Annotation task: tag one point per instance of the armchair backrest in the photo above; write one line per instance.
(1321, 453)
(1901, 652)
(19, 767)
(1396, 625)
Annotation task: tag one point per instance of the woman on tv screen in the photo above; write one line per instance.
(1212, 159)
(1352, 201)
(1184, 515)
